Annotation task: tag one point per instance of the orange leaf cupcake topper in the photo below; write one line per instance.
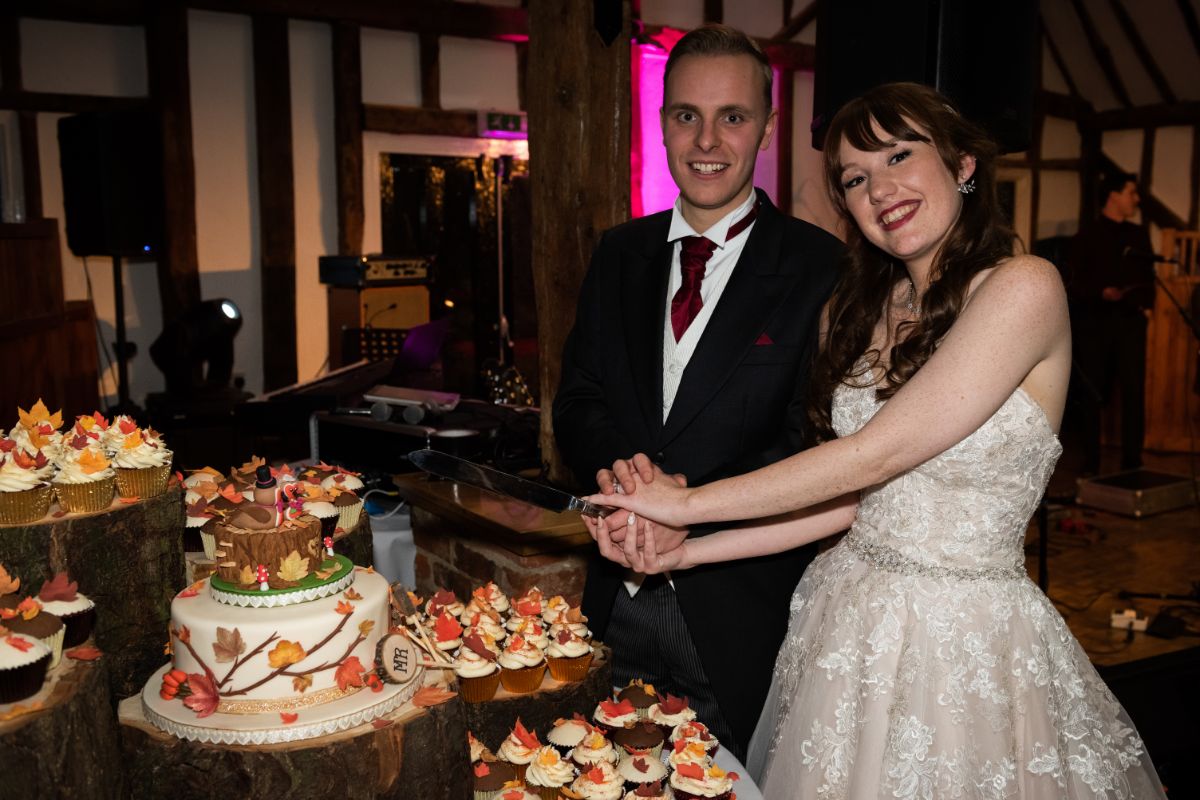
(92, 461)
(617, 709)
(693, 771)
(28, 608)
(8, 584)
(38, 413)
(446, 628)
(482, 770)
(595, 775)
(133, 440)
(526, 738)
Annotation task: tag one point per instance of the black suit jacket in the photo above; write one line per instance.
(740, 406)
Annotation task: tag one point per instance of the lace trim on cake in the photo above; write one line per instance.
(288, 704)
(891, 560)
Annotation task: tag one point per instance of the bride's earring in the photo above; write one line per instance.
(967, 186)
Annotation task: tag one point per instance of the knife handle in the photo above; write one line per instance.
(593, 510)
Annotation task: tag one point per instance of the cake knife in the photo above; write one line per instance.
(444, 465)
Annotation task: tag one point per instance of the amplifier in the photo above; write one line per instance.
(1137, 493)
(359, 271)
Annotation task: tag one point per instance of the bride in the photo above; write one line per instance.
(920, 660)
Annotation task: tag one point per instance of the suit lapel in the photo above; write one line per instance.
(753, 293)
(643, 300)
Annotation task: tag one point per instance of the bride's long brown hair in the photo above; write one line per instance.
(979, 239)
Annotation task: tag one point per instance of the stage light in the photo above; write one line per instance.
(202, 337)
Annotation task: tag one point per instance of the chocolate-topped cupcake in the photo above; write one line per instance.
(349, 506)
(639, 739)
(640, 694)
(29, 619)
(490, 778)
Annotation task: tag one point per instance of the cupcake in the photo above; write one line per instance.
(478, 749)
(349, 507)
(548, 773)
(641, 770)
(600, 782)
(93, 425)
(24, 484)
(521, 666)
(143, 464)
(574, 621)
(318, 505)
(533, 631)
(114, 435)
(528, 604)
(343, 479)
(569, 657)
(490, 595)
(23, 665)
(518, 748)
(649, 791)
(640, 694)
(196, 516)
(693, 782)
(685, 752)
(85, 479)
(567, 733)
(477, 670)
(594, 749)
(613, 714)
(63, 599)
(28, 619)
(553, 608)
(447, 633)
(486, 622)
(491, 778)
(444, 600)
(640, 739)
(696, 732)
(37, 430)
(670, 712)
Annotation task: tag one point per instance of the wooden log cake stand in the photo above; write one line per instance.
(357, 544)
(127, 559)
(417, 753)
(493, 721)
(69, 747)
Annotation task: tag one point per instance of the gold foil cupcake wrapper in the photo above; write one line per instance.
(480, 689)
(209, 541)
(31, 505)
(55, 643)
(569, 670)
(348, 517)
(524, 680)
(83, 498)
(143, 482)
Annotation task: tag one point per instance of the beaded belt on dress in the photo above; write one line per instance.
(891, 560)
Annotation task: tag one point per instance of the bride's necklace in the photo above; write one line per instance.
(910, 303)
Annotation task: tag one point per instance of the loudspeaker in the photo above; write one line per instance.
(394, 306)
(112, 183)
(979, 53)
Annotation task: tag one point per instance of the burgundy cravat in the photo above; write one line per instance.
(693, 259)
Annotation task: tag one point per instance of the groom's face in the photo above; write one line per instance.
(715, 120)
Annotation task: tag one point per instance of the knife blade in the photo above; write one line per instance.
(444, 465)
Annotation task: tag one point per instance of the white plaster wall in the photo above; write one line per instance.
(475, 73)
(810, 200)
(1170, 180)
(1060, 138)
(376, 144)
(315, 173)
(1052, 77)
(220, 61)
(1058, 210)
(391, 67)
(1123, 147)
(80, 58)
(682, 14)
(763, 18)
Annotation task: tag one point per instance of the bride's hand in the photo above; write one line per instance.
(663, 501)
(661, 550)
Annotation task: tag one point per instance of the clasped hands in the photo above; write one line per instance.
(633, 539)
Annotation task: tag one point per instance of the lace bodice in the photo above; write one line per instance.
(993, 480)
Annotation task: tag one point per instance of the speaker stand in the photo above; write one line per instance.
(124, 404)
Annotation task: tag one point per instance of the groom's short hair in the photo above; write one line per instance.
(720, 40)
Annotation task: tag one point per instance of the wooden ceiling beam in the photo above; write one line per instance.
(427, 121)
(58, 103)
(1065, 106)
(1189, 21)
(1154, 116)
(1102, 54)
(109, 12)
(797, 23)
(1143, 52)
(1059, 61)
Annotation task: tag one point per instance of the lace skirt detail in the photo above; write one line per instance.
(900, 682)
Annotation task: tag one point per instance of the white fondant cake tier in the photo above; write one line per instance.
(281, 659)
(363, 706)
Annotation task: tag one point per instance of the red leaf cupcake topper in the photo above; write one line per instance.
(528, 607)
(617, 709)
(446, 628)
(21, 644)
(59, 588)
(482, 770)
(127, 426)
(526, 738)
(596, 775)
(475, 643)
(640, 765)
(693, 771)
(672, 704)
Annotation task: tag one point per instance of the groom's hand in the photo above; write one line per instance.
(623, 479)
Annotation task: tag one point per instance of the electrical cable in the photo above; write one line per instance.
(399, 506)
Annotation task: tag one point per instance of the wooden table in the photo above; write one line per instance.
(466, 537)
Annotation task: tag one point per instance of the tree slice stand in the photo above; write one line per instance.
(417, 752)
(70, 747)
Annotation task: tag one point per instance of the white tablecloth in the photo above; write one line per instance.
(745, 788)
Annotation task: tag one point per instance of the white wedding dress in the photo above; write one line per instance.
(922, 662)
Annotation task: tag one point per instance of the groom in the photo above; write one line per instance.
(692, 340)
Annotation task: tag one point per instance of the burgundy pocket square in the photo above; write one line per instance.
(763, 339)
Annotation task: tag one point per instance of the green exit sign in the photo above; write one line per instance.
(503, 125)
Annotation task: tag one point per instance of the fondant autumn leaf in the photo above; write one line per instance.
(285, 653)
(230, 493)
(528, 607)
(688, 770)
(672, 704)
(92, 461)
(293, 568)
(204, 698)
(228, 646)
(301, 683)
(344, 608)
(614, 709)
(349, 673)
(247, 576)
(350, 594)
(287, 718)
(477, 645)
(446, 628)
(38, 413)
(183, 634)
(428, 696)
(83, 653)
(525, 736)
(126, 425)
(595, 775)
(133, 441)
(29, 608)
(17, 642)
(8, 584)
(366, 626)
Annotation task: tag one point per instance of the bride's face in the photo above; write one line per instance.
(902, 197)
